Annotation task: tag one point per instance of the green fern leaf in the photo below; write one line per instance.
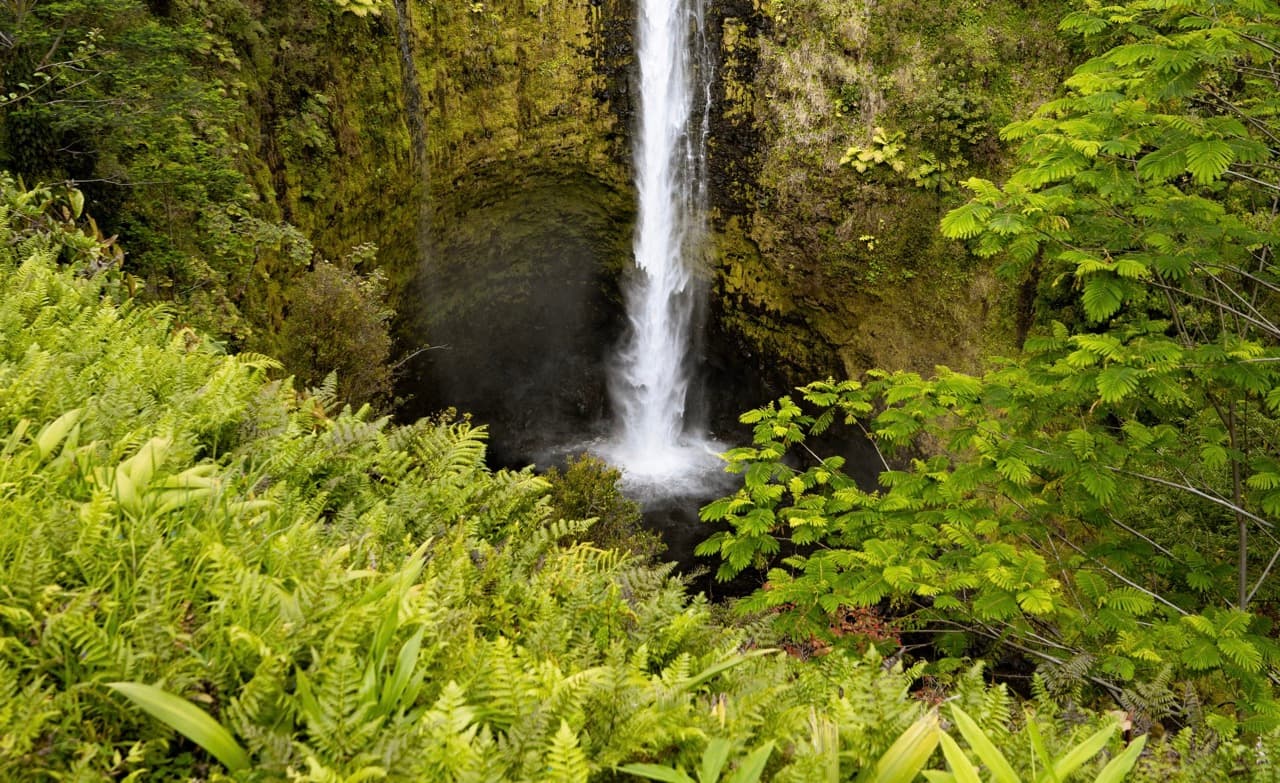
(1036, 601)
(967, 221)
(1102, 297)
(1162, 164)
(1014, 470)
(1241, 652)
(1208, 160)
(995, 605)
(566, 762)
(1117, 382)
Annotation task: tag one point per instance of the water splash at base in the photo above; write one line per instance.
(689, 467)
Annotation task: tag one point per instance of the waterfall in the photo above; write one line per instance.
(657, 444)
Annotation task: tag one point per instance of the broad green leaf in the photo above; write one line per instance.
(406, 662)
(714, 758)
(962, 770)
(908, 754)
(1041, 752)
(984, 748)
(76, 198)
(55, 431)
(655, 772)
(752, 767)
(1119, 766)
(188, 720)
(1087, 749)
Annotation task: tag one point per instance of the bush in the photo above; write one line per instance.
(337, 322)
(588, 489)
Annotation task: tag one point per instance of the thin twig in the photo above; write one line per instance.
(1265, 573)
(1192, 490)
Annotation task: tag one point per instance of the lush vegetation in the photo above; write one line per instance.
(207, 574)
(144, 109)
(1101, 507)
(214, 568)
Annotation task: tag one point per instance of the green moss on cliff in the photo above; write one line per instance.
(837, 269)
(490, 139)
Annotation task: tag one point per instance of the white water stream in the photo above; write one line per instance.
(659, 447)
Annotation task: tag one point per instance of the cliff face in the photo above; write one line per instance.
(840, 136)
(830, 261)
(529, 212)
(483, 146)
(369, 128)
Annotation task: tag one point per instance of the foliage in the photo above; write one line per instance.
(127, 104)
(1050, 768)
(885, 149)
(176, 121)
(588, 488)
(205, 574)
(950, 128)
(712, 765)
(360, 7)
(1151, 188)
(337, 321)
(1014, 512)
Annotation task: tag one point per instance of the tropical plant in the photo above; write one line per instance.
(588, 488)
(1045, 766)
(207, 574)
(336, 321)
(712, 766)
(1029, 509)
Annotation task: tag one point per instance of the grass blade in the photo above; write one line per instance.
(997, 764)
(188, 720)
(1119, 766)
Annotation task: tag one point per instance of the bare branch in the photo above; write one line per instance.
(1265, 573)
(1153, 595)
(1194, 491)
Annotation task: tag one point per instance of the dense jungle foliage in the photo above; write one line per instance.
(161, 115)
(208, 574)
(1102, 506)
(212, 567)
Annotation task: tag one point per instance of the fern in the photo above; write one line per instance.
(565, 761)
(1066, 680)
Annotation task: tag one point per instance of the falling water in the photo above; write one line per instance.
(658, 446)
